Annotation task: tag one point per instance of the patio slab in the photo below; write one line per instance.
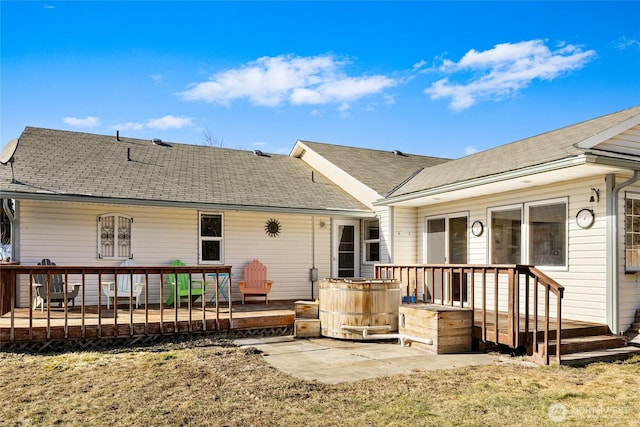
(334, 361)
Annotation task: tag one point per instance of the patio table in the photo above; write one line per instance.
(222, 285)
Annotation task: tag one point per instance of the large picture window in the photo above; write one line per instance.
(532, 233)
(632, 232)
(210, 238)
(115, 233)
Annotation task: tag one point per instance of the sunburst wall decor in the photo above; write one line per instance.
(273, 227)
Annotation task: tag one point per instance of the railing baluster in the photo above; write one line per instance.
(546, 324)
(495, 305)
(484, 304)
(558, 327)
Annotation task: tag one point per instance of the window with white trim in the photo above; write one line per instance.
(210, 238)
(115, 235)
(371, 240)
(632, 232)
(533, 233)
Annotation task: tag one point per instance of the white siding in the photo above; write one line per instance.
(406, 237)
(386, 237)
(67, 234)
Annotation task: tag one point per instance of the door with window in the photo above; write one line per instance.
(447, 243)
(346, 248)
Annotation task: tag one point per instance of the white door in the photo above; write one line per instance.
(346, 248)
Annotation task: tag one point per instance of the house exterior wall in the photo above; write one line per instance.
(67, 234)
(405, 235)
(629, 284)
(584, 278)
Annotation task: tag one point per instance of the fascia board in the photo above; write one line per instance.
(188, 205)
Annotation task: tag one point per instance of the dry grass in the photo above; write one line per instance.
(210, 383)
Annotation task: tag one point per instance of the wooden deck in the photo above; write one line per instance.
(23, 325)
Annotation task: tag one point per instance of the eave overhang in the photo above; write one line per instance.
(574, 167)
(79, 198)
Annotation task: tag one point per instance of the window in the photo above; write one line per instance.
(547, 234)
(115, 236)
(506, 232)
(210, 238)
(632, 232)
(371, 240)
(539, 237)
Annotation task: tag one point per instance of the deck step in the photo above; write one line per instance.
(584, 331)
(608, 355)
(588, 343)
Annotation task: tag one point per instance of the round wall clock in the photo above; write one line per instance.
(585, 218)
(477, 228)
(272, 227)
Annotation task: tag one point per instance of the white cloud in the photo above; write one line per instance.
(623, 43)
(503, 71)
(419, 65)
(162, 123)
(87, 122)
(169, 122)
(156, 77)
(273, 81)
(129, 126)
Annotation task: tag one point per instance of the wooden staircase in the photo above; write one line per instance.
(590, 344)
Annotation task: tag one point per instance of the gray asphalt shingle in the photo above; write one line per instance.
(379, 170)
(60, 162)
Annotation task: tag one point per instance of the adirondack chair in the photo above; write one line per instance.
(54, 292)
(182, 283)
(124, 286)
(255, 281)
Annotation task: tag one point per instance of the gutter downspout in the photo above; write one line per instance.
(5, 207)
(613, 250)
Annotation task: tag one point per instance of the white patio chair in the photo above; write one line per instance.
(124, 286)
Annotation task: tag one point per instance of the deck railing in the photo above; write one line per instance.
(490, 290)
(90, 317)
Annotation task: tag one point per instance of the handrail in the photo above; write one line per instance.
(98, 323)
(502, 288)
(558, 290)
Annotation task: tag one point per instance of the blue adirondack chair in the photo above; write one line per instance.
(181, 285)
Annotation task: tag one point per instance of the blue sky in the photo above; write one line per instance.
(435, 78)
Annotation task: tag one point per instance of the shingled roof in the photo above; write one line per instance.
(544, 148)
(379, 170)
(56, 164)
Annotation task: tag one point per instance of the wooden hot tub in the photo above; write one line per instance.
(351, 308)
